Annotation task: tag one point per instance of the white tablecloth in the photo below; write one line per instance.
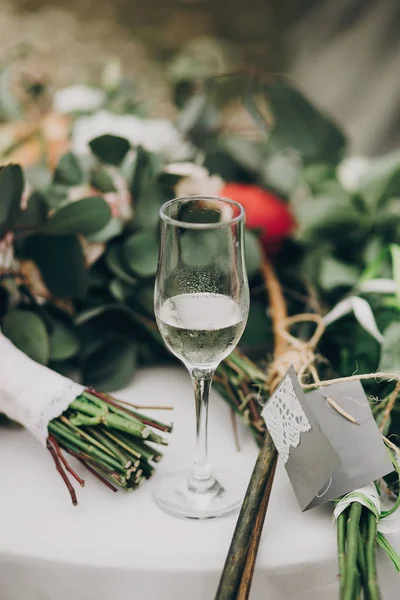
(121, 546)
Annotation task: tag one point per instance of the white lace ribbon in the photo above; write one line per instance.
(32, 394)
(285, 418)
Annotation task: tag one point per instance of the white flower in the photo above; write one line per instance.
(196, 180)
(186, 169)
(78, 98)
(351, 170)
(155, 135)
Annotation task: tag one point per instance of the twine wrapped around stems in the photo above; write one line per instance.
(239, 566)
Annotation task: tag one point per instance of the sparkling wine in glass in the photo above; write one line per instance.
(201, 304)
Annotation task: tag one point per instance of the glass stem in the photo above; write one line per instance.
(200, 478)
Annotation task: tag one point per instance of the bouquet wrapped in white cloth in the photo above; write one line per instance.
(109, 437)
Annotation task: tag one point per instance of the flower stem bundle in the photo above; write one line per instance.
(117, 444)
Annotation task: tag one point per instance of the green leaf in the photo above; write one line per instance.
(56, 195)
(35, 213)
(252, 253)
(390, 352)
(395, 252)
(300, 126)
(140, 254)
(322, 217)
(192, 112)
(335, 273)
(28, 332)
(145, 190)
(382, 180)
(282, 172)
(112, 367)
(102, 180)
(88, 215)
(61, 262)
(92, 313)
(11, 188)
(113, 228)
(111, 149)
(69, 171)
(64, 343)
(120, 290)
(116, 265)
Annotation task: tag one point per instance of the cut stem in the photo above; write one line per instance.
(62, 473)
(353, 525)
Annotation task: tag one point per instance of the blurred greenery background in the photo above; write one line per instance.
(343, 53)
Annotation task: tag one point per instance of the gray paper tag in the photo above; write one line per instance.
(334, 456)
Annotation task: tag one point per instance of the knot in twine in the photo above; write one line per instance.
(299, 353)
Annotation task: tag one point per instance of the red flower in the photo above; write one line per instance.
(265, 211)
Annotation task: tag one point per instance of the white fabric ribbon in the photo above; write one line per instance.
(368, 496)
(32, 394)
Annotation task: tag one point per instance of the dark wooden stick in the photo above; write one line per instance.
(238, 555)
(62, 473)
(247, 576)
(238, 571)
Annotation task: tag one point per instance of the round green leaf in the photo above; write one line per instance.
(252, 253)
(140, 254)
(102, 180)
(113, 228)
(61, 262)
(112, 367)
(114, 263)
(69, 170)
(35, 213)
(111, 149)
(28, 332)
(83, 216)
(64, 343)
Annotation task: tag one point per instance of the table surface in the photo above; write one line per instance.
(116, 546)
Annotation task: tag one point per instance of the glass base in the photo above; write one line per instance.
(221, 495)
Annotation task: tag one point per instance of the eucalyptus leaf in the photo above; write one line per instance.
(102, 180)
(27, 332)
(69, 171)
(113, 229)
(111, 149)
(56, 194)
(300, 126)
(112, 367)
(88, 215)
(120, 290)
(140, 254)
(98, 311)
(116, 264)
(390, 353)
(11, 188)
(64, 343)
(35, 213)
(145, 190)
(61, 262)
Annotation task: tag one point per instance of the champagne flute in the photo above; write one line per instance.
(201, 305)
